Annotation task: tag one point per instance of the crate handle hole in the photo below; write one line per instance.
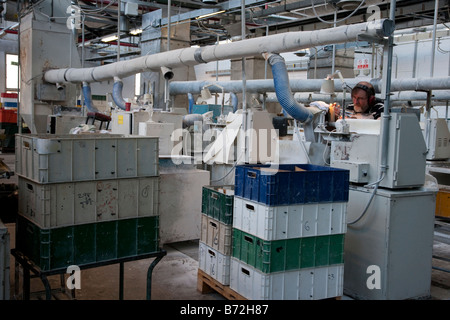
(251, 174)
(250, 207)
(248, 239)
(245, 271)
(211, 253)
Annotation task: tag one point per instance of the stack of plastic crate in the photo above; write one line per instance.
(86, 198)
(215, 238)
(288, 232)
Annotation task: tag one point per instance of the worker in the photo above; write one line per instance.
(365, 105)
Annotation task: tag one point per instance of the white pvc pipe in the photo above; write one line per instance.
(285, 42)
(309, 85)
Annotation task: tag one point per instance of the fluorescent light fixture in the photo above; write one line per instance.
(276, 16)
(209, 15)
(136, 31)
(110, 38)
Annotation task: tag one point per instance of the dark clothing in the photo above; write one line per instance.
(376, 110)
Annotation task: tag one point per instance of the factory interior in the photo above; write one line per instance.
(214, 150)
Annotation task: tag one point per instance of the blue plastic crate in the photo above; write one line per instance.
(291, 184)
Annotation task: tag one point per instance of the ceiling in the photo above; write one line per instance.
(276, 16)
(101, 16)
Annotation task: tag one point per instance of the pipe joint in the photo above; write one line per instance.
(167, 73)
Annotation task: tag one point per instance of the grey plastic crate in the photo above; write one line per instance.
(72, 203)
(47, 158)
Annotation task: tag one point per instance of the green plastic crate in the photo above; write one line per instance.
(88, 243)
(218, 202)
(287, 254)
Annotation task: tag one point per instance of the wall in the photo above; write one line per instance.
(8, 45)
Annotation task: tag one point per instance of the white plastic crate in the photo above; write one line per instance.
(214, 263)
(62, 204)
(216, 234)
(47, 158)
(290, 221)
(4, 262)
(303, 284)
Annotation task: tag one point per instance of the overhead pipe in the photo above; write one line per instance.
(190, 56)
(310, 85)
(283, 91)
(416, 98)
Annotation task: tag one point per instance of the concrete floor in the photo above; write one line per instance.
(175, 276)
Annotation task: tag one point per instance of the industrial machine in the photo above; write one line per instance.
(389, 240)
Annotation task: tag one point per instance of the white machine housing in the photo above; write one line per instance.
(361, 153)
(438, 140)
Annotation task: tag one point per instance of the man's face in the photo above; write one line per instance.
(360, 100)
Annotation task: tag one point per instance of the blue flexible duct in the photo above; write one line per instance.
(234, 101)
(87, 97)
(283, 90)
(117, 94)
(191, 102)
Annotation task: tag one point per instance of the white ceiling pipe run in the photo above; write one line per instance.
(309, 85)
(285, 42)
(303, 97)
(435, 83)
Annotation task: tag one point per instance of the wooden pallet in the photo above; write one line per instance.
(207, 284)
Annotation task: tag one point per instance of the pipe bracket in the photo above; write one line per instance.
(198, 56)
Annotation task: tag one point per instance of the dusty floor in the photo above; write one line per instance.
(175, 276)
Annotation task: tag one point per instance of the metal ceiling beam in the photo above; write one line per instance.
(229, 5)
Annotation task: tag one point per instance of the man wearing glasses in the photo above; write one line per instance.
(365, 105)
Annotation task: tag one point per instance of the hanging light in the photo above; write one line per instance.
(327, 86)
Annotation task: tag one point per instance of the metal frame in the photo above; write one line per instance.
(28, 266)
